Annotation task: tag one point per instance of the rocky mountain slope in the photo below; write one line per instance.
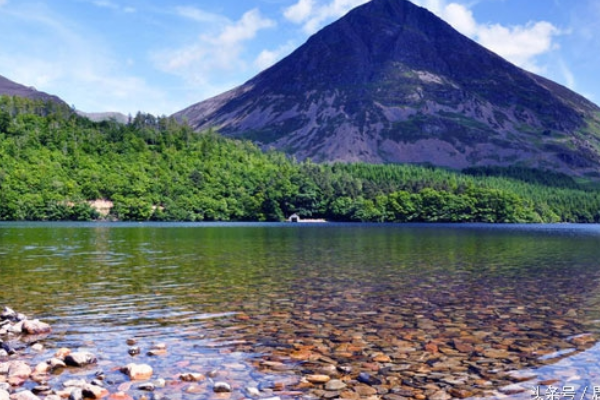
(10, 88)
(391, 82)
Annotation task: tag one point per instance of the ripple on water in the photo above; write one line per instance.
(423, 310)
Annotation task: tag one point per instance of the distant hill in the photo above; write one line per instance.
(105, 116)
(10, 88)
(391, 82)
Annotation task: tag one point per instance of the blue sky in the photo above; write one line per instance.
(160, 56)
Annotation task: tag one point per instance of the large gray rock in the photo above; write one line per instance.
(138, 372)
(94, 392)
(8, 314)
(80, 359)
(18, 373)
(222, 387)
(35, 326)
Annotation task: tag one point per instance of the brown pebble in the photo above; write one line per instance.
(431, 347)
(364, 390)
(194, 389)
(318, 378)
(42, 368)
(382, 358)
(62, 353)
(349, 394)
(192, 377)
(460, 393)
(120, 396)
(583, 339)
(549, 382)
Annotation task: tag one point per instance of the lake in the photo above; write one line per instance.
(383, 311)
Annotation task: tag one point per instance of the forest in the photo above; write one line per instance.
(54, 163)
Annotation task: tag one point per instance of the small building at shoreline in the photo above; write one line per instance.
(296, 218)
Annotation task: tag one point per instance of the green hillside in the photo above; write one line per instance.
(54, 162)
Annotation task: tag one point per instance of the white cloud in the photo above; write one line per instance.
(112, 6)
(313, 17)
(81, 64)
(568, 76)
(300, 11)
(211, 55)
(199, 15)
(269, 57)
(105, 4)
(520, 44)
(245, 29)
(461, 18)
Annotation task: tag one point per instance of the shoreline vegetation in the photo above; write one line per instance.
(58, 166)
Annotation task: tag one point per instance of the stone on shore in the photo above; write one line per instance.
(56, 363)
(334, 385)
(4, 367)
(16, 328)
(62, 353)
(363, 377)
(192, 377)
(120, 396)
(148, 387)
(94, 392)
(222, 387)
(138, 372)
(583, 339)
(80, 359)
(318, 378)
(76, 394)
(35, 327)
(8, 314)
(18, 373)
(79, 383)
(24, 395)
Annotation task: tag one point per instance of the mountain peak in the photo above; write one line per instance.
(392, 82)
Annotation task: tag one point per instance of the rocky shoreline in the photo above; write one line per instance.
(405, 364)
(19, 380)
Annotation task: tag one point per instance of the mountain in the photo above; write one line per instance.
(10, 88)
(391, 82)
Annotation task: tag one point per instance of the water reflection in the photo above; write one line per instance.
(419, 306)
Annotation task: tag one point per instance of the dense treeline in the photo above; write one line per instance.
(53, 162)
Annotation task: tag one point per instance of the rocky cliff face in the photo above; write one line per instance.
(391, 82)
(10, 88)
